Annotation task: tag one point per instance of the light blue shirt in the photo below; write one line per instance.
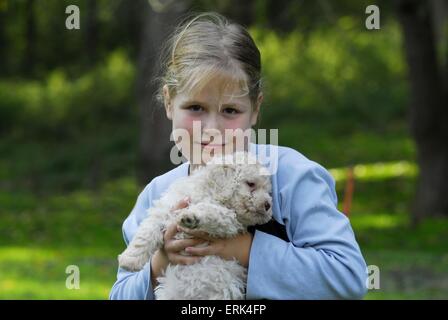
(322, 259)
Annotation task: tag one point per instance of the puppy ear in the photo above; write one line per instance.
(221, 179)
(221, 171)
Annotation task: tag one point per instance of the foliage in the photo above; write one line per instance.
(346, 73)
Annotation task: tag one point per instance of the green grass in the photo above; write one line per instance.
(41, 236)
(335, 147)
(409, 274)
(413, 261)
(40, 273)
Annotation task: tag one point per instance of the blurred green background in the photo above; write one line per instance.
(70, 127)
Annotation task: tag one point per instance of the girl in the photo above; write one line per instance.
(211, 82)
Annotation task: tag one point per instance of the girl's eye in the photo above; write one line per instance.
(231, 111)
(195, 107)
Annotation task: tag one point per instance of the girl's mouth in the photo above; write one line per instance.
(212, 145)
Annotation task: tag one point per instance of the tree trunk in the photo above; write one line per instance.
(428, 109)
(4, 65)
(440, 13)
(131, 17)
(241, 12)
(30, 37)
(155, 128)
(91, 31)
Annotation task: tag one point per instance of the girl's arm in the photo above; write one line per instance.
(323, 259)
(134, 285)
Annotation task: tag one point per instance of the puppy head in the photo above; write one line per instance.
(242, 184)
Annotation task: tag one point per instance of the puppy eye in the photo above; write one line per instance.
(250, 184)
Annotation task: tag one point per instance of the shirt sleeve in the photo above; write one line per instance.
(134, 285)
(323, 259)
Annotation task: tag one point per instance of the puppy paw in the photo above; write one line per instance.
(131, 263)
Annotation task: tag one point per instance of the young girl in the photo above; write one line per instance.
(211, 82)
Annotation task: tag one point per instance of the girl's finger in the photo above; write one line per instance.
(202, 251)
(181, 204)
(180, 259)
(179, 245)
(170, 231)
(196, 233)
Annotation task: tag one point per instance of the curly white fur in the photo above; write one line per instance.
(226, 196)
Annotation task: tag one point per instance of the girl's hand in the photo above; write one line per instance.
(237, 247)
(170, 253)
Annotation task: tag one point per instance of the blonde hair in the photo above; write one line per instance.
(204, 46)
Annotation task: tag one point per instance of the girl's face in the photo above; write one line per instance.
(210, 117)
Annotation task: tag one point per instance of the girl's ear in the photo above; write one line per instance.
(256, 109)
(167, 102)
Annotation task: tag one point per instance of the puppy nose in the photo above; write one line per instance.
(267, 206)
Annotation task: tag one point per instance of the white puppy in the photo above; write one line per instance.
(226, 196)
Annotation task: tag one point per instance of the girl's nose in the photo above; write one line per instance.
(211, 123)
(211, 129)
